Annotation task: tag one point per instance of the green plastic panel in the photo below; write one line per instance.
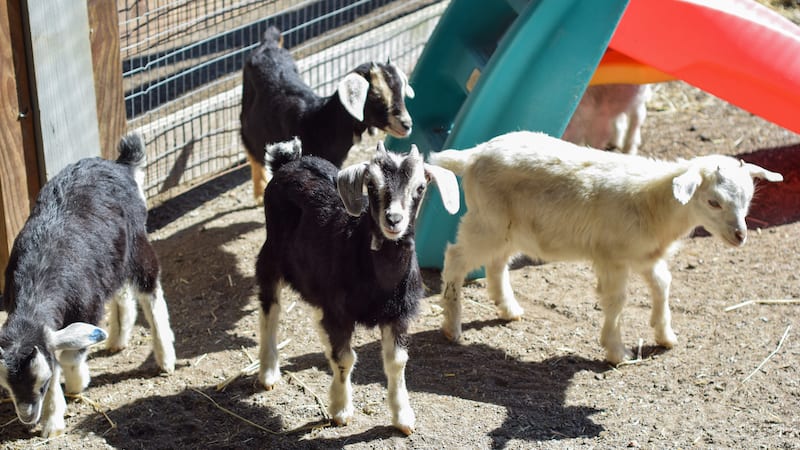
(534, 60)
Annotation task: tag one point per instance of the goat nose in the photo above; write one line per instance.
(406, 124)
(393, 218)
(740, 236)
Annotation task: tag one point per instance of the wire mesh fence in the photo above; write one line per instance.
(182, 63)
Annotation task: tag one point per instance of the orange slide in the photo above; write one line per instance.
(737, 50)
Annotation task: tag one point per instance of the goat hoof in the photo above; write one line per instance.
(511, 317)
(667, 339)
(450, 335)
(341, 421)
(408, 430)
(511, 312)
(269, 379)
(618, 356)
(51, 431)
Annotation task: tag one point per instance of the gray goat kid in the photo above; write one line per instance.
(84, 243)
(350, 255)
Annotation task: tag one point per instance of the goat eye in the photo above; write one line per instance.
(714, 204)
(420, 189)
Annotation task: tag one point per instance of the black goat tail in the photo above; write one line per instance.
(132, 154)
(131, 151)
(277, 155)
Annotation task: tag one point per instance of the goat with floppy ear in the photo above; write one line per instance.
(350, 183)
(349, 254)
(278, 105)
(83, 247)
(551, 199)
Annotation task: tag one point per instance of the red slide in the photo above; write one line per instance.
(737, 50)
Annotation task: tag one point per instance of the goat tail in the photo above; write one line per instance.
(281, 153)
(457, 161)
(132, 154)
(131, 151)
(272, 37)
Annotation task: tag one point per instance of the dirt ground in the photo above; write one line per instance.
(541, 382)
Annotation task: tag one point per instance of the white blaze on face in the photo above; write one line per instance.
(393, 90)
(40, 375)
(401, 198)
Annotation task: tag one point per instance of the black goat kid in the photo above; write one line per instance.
(278, 105)
(349, 255)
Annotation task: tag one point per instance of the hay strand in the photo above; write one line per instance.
(780, 301)
(317, 398)
(231, 413)
(95, 405)
(247, 371)
(777, 349)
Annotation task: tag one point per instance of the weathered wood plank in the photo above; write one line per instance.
(63, 83)
(104, 30)
(19, 179)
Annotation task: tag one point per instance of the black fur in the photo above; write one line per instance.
(277, 105)
(325, 254)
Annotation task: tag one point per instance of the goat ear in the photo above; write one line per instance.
(414, 152)
(407, 89)
(685, 185)
(350, 183)
(381, 148)
(760, 172)
(352, 92)
(76, 336)
(448, 186)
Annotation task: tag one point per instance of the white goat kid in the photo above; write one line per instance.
(610, 117)
(532, 193)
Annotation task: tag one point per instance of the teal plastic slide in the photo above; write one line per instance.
(494, 66)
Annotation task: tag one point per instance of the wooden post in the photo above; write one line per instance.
(19, 175)
(104, 29)
(60, 61)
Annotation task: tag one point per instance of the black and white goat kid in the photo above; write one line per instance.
(278, 105)
(84, 243)
(350, 255)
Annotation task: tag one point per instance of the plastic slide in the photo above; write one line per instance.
(495, 66)
(616, 67)
(737, 50)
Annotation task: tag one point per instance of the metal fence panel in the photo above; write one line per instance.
(182, 63)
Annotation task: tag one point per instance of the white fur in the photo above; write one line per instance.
(395, 358)
(610, 116)
(122, 317)
(54, 407)
(531, 193)
(269, 372)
